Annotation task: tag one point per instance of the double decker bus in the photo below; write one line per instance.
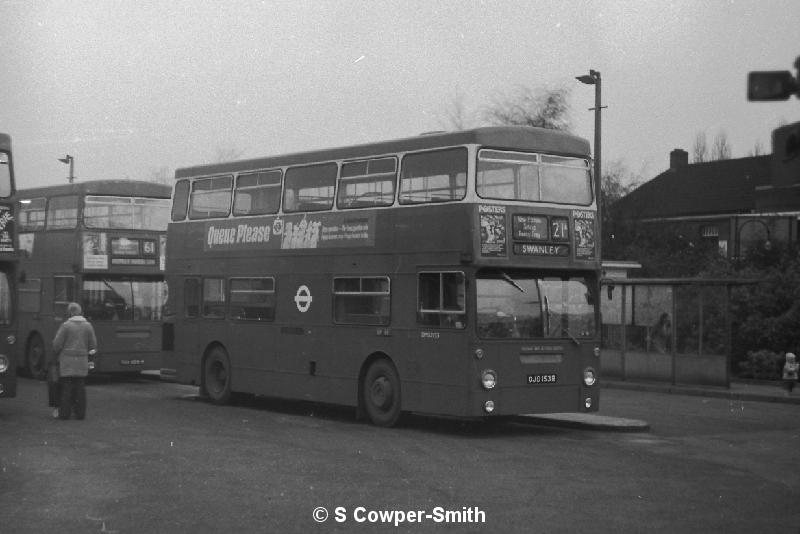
(451, 273)
(8, 270)
(101, 244)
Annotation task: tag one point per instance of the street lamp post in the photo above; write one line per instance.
(71, 161)
(593, 78)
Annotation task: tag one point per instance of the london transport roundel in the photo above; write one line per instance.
(303, 298)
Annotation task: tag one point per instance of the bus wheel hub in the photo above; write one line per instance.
(381, 392)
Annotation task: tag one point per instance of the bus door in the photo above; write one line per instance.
(438, 343)
(306, 305)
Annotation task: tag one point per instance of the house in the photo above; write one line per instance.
(735, 204)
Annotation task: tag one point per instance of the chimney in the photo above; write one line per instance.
(678, 159)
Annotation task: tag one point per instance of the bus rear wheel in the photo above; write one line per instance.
(35, 363)
(381, 393)
(217, 376)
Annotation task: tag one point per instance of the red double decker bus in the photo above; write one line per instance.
(451, 273)
(8, 270)
(102, 244)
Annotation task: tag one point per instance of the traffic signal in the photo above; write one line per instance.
(771, 85)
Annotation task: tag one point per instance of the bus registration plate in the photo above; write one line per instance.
(543, 378)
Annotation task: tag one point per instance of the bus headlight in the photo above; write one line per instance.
(488, 379)
(488, 406)
(589, 377)
(3, 363)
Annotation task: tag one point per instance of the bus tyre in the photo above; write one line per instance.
(381, 393)
(35, 363)
(217, 376)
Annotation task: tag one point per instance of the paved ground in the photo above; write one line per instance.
(740, 391)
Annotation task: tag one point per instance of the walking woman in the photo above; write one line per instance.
(72, 345)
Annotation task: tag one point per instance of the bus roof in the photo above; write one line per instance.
(102, 187)
(506, 137)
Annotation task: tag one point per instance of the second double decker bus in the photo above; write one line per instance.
(101, 244)
(451, 273)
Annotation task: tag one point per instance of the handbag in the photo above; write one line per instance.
(53, 386)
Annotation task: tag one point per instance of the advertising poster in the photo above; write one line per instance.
(95, 251)
(493, 230)
(306, 231)
(6, 229)
(585, 239)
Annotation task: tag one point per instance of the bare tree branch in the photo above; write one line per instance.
(543, 108)
(721, 148)
(700, 147)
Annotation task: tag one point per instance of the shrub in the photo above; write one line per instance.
(762, 365)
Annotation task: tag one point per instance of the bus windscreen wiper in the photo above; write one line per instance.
(512, 281)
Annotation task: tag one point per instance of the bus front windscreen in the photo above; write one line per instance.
(523, 305)
(126, 213)
(124, 299)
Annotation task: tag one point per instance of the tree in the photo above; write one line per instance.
(721, 148)
(457, 116)
(758, 149)
(700, 147)
(543, 108)
(617, 182)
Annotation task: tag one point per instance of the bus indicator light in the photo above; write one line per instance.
(479, 354)
(488, 406)
(488, 379)
(589, 378)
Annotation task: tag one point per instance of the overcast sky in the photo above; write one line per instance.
(129, 87)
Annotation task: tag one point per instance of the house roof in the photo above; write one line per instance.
(712, 188)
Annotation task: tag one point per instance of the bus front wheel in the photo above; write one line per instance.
(35, 358)
(381, 393)
(217, 376)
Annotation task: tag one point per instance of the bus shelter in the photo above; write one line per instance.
(667, 330)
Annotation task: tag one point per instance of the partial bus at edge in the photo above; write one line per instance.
(8, 269)
(452, 274)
